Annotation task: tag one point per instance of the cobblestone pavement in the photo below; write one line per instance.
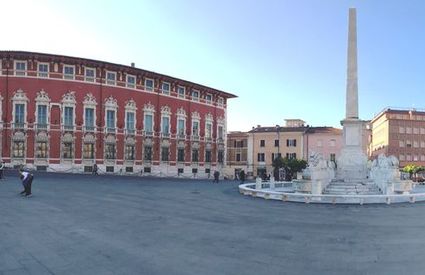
(82, 224)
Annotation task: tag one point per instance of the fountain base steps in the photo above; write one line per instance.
(351, 188)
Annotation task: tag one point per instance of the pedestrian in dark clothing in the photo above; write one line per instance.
(216, 176)
(242, 176)
(27, 179)
(94, 172)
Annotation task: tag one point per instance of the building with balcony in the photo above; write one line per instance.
(63, 113)
(399, 132)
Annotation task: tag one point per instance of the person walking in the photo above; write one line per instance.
(216, 176)
(27, 179)
(94, 172)
(242, 176)
(1, 170)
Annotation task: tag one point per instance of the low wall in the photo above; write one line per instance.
(250, 190)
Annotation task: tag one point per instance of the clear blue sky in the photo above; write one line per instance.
(283, 59)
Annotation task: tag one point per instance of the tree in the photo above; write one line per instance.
(413, 169)
(290, 166)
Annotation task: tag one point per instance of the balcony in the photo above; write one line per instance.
(195, 137)
(18, 125)
(68, 127)
(89, 128)
(130, 132)
(110, 130)
(165, 135)
(181, 136)
(148, 133)
(220, 140)
(208, 139)
(41, 126)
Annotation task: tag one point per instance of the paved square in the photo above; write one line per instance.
(81, 224)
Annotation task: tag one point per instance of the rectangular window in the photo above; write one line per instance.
(422, 144)
(43, 70)
(238, 157)
(319, 143)
(88, 150)
(111, 78)
(42, 116)
(110, 151)
(195, 95)
(208, 98)
(208, 130)
(20, 68)
(165, 88)
(291, 155)
(276, 143)
(41, 150)
(291, 143)
(67, 150)
(415, 144)
(277, 155)
(262, 143)
(165, 153)
(68, 72)
(261, 157)
(147, 155)
(129, 122)
(401, 157)
(148, 123)
(332, 143)
(180, 127)
(19, 115)
(333, 157)
(207, 156)
(401, 130)
(220, 157)
(129, 152)
(180, 154)
(220, 132)
(195, 155)
(68, 117)
(401, 143)
(165, 125)
(89, 74)
(131, 81)
(110, 120)
(195, 128)
(181, 92)
(18, 149)
(89, 119)
(415, 131)
(408, 130)
(148, 84)
(220, 102)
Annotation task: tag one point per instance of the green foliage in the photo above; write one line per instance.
(413, 169)
(291, 166)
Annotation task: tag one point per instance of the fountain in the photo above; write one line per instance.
(353, 179)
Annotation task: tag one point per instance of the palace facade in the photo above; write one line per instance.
(61, 113)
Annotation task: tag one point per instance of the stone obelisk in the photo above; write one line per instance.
(352, 163)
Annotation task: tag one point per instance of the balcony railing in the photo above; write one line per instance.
(148, 133)
(195, 137)
(130, 132)
(110, 129)
(89, 128)
(68, 127)
(181, 136)
(18, 125)
(165, 135)
(41, 126)
(220, 140)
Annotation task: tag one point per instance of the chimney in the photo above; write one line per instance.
(133, 65)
